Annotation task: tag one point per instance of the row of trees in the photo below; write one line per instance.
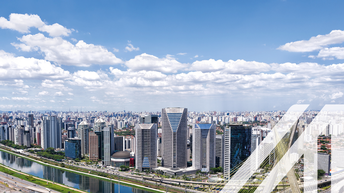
(11, 144)
(51, 154)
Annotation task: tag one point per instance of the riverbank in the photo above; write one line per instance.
(147, 186)
(39, 181)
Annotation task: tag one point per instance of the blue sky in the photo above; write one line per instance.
(146, 55)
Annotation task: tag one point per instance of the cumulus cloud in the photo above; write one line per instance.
(150, 62)
(331, 53)
(42, 93)
(314, 43)
(231, 66)
(23, 22)
(55, 30)
(336, 95)
(130, 47)
(63, 52)
(12, 67)
(54, 84)
(59, 94)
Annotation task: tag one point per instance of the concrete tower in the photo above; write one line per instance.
(174, 137)
(146, 149)
(203, 153)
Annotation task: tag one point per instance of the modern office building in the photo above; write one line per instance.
(30, 120)
(118, 141)
(105, 146)
(324, 162)
(237, 147)
(146, 148)
(203, 153)
(4, 131)
(71, 132)
(219, 151)
(73, 148)
(149, 119)
(83, 129)
(93, 147)
(99, 125)
(174, 137)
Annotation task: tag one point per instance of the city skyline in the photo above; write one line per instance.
(113, 56)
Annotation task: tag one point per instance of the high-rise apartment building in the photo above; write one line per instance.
(19, 135)
(203, 152)
(93, 147)
(146, 148)
(51, 135)
(174, 137)
(83, 128)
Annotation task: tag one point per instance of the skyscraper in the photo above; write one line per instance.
(30, 120)
(118, 141)
(83, 128)
(146, 148)
(51, 134)
(219, 151)
(174, 137)
(237, 147)
(203, 153)
(105, 146)
(93, 147)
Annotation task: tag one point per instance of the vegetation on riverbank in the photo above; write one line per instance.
(86, 172)
(34, 180)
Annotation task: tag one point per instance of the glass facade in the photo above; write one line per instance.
(73, 149)
(174, 119)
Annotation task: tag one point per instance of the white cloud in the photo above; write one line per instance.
(87, 75)
(63, 52)
(59, 94)
(12, 67)
(21, 22)
(71, 94)
(315, 43)
(182, 54)
(231, 66)
(55, 30)
(130, 47)
(330, 53)
(336, 95)
(20, 98)
(4, 98)
(52, 101)
(42, 93)
(55, 84)
(153, 63)
(115, 50)
(196, 56)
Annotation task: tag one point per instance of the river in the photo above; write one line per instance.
(81, 182)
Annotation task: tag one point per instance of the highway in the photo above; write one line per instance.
(17, 184)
